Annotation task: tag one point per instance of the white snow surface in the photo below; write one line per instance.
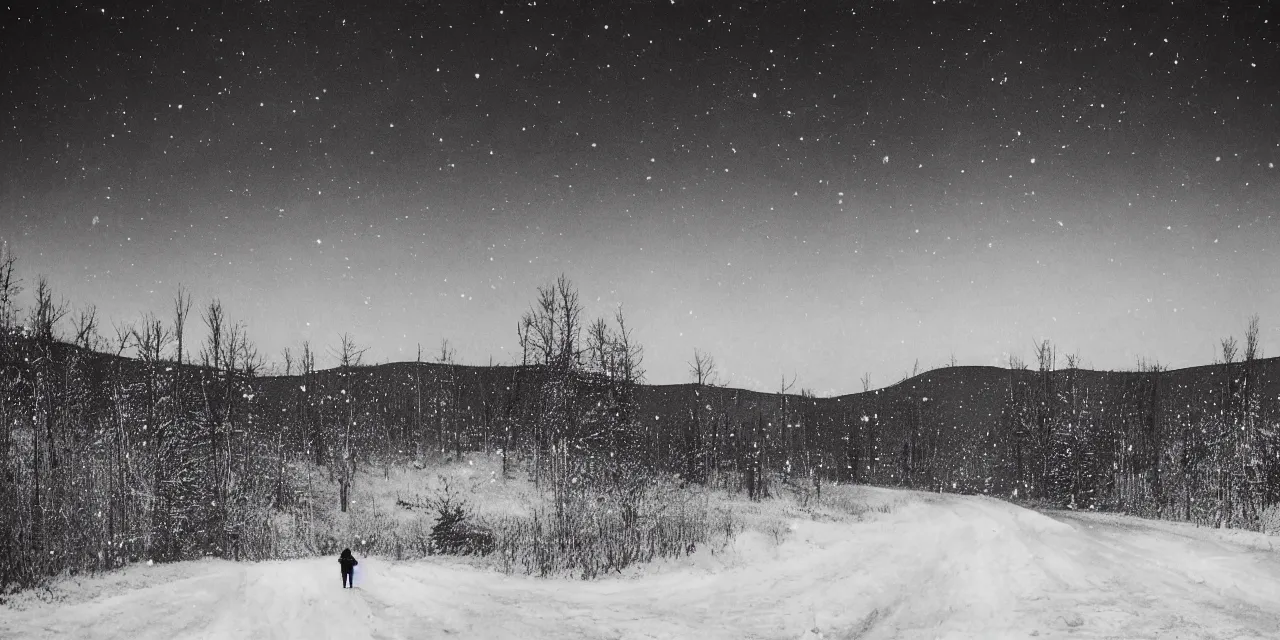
(935, 567)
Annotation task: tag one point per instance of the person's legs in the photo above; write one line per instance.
(345, 576)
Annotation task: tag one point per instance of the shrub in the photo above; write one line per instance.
(454, 533)
(606, 527)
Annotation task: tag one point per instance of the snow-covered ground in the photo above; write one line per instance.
(933, 567)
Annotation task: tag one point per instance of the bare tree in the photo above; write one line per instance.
(230, 360)
(214, 412)
(629, 354)
(215, 321)
(570, 325)
(10, 287)
(181, 310)
(550, 331)
(349, 356)
(613, 353)
(150, 337)
(1046, 355)
(613, 370)
(1254, 439)
(550, 336)
(1228, 350)
(45, 315)
(447, 353)
(307, 368)
(703, 368)
(600, 348)
(86, 326)
(698, 445)
(124, 336)
(1252, 348)
(241, 355)
(418, 432)
(1073, 361)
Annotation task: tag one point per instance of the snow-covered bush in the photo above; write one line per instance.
(1270, 519)
(603, 529)
(454, 532)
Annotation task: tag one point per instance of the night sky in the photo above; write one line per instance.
(795, 187)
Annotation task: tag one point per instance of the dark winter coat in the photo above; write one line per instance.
(347, 561)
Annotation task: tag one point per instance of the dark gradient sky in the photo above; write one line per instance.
(798, 187)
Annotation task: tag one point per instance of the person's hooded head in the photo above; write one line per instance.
(346, 554)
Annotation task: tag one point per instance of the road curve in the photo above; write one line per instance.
(936, 567)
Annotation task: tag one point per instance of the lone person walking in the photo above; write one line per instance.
(348, 563)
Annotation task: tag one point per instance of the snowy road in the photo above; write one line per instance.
(948, 567)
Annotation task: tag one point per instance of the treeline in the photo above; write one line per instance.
(1199, 445)
(170, 439)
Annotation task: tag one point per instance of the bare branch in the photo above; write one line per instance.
(86, 324)
(1046, 355)
(44, 317)
(447, 353)
(1252, 349)
(703, 368)
(9, 289)
(348, 354)
(124, 335)
(181, 310)
(215, 320)
(1228, 350)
